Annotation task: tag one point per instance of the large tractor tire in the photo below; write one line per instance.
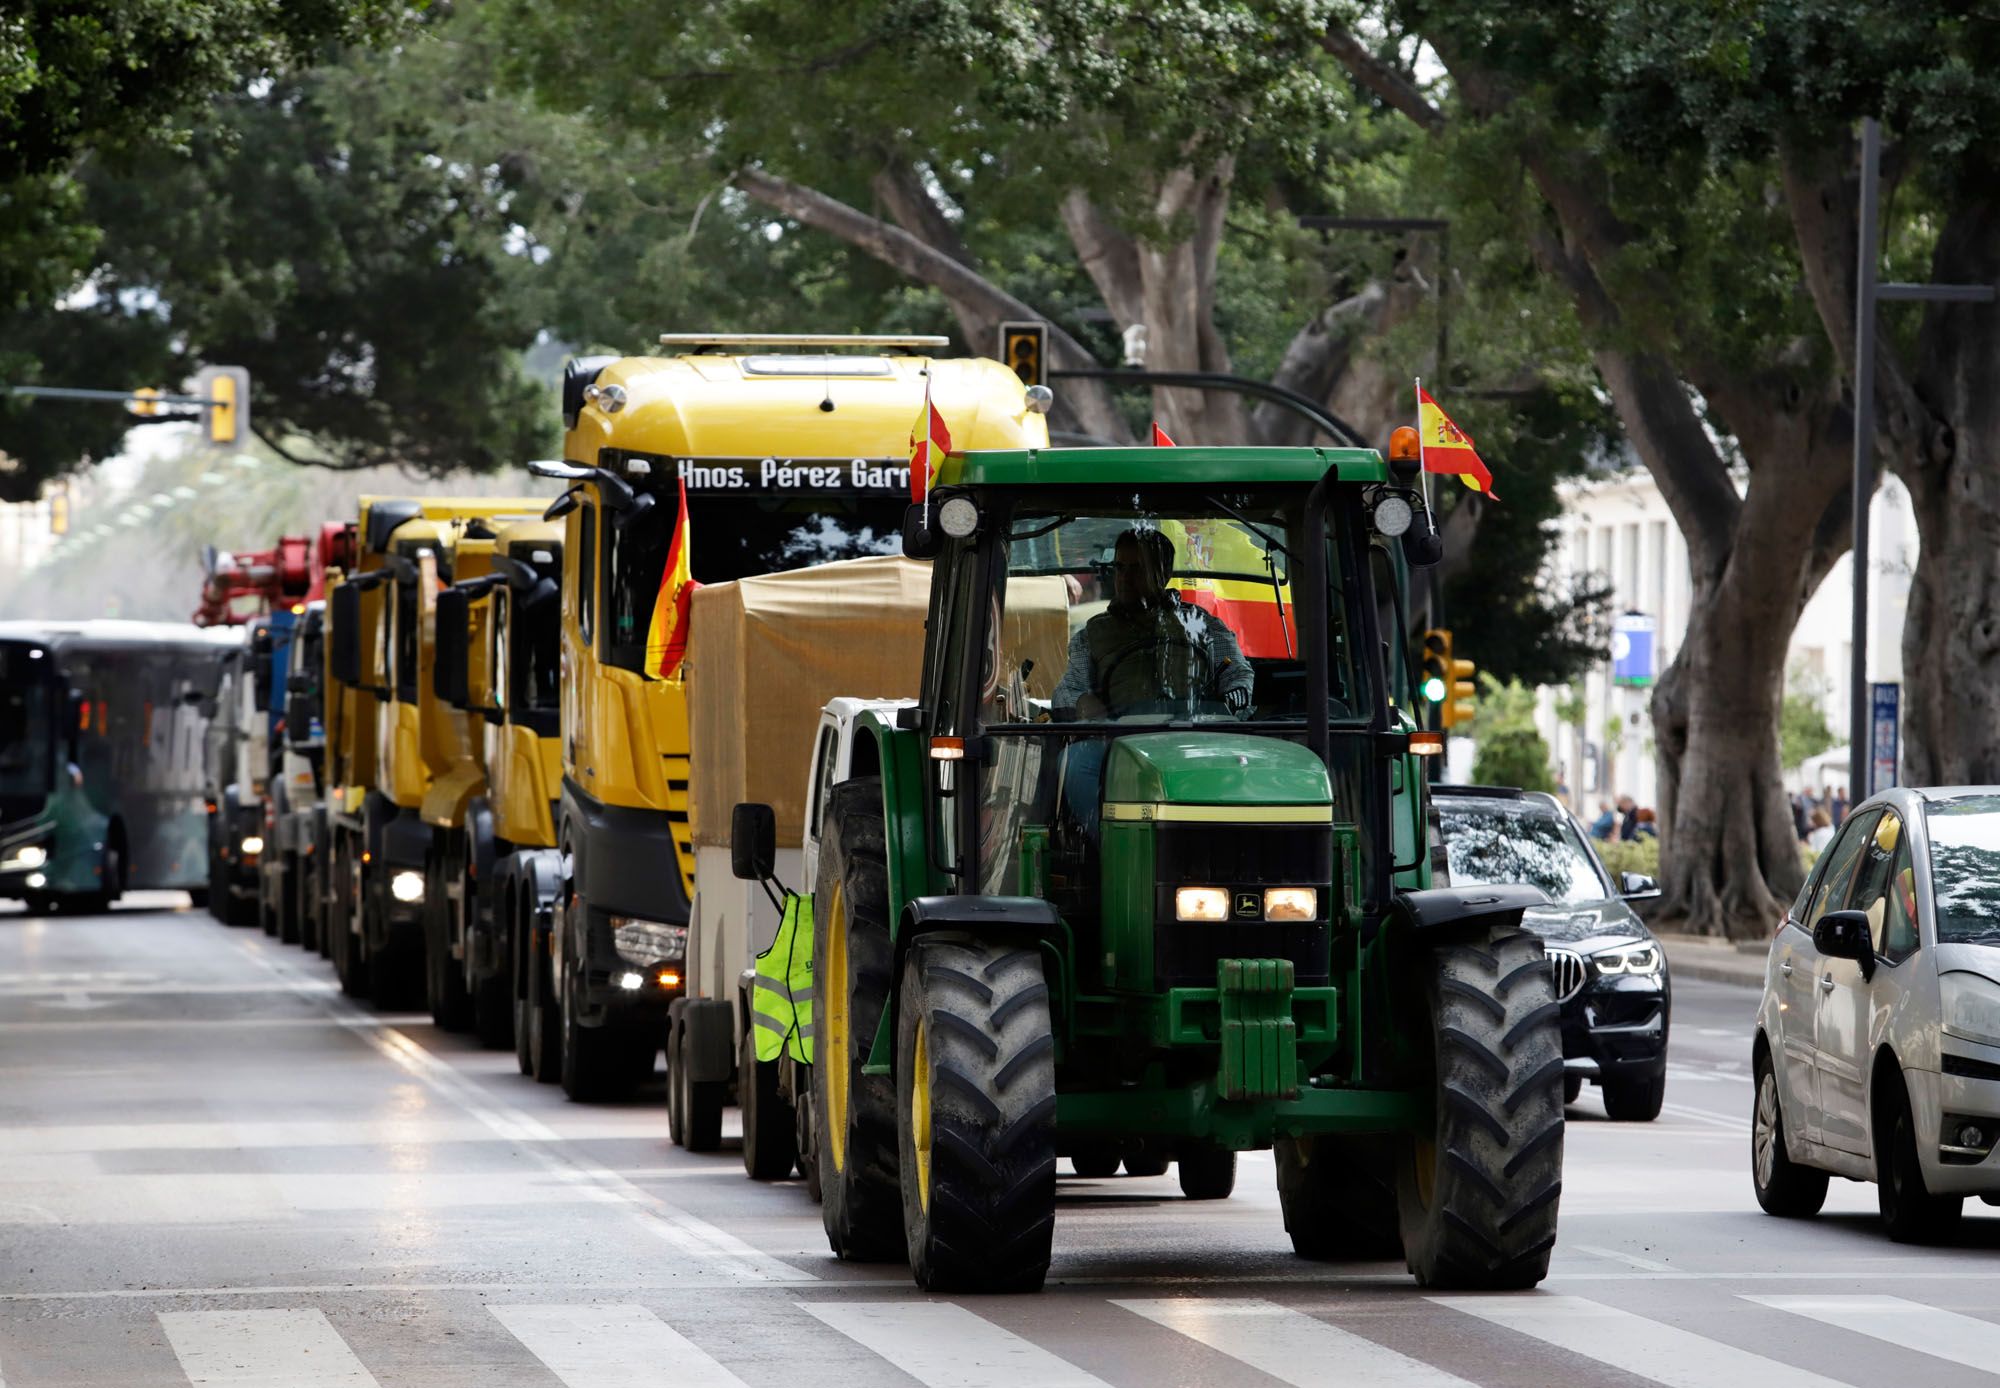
(1339, 1204)
(1478, 1192)
(770, 1149)
(976, 1088)
(854, 1114)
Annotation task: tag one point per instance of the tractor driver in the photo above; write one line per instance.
(1150, 652)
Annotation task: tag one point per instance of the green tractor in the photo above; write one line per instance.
(1150, 876)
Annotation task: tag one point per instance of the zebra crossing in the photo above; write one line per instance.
(943, 1344)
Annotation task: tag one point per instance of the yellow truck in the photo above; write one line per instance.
(792, 450)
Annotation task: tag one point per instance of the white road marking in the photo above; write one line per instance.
(1708, 1117)
(299, 1349)
(1289, 1345)
(612, 1347)
(946, 1346)
(1929, 1330)
(1647, 1348)
(1631, 1260)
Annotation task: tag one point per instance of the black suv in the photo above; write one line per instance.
(1611, 973)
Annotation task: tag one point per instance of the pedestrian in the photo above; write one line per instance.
(1822, 831)
(1600, 827)
(1837, 807)
(1628, 818)
(1648, 826)
(1799, 815)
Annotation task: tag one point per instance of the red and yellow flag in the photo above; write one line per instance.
(1446, 448)
(930, 443)
(667, 633)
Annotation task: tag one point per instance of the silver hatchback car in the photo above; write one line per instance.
(1877, 1055)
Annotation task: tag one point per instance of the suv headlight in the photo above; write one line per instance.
(644, 942)
(1628, 959)
(1971, 1005)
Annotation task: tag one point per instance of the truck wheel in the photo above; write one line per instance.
(290, 928)
(676, 1115)
(444, 979)
(700, 1103)
(592, 1069)
(544, 1036)
(768, 1144)
(805, 1135)
(342, 939)
(1478, 1191)
(976, 1088)
(1338, 1203)
(854, 1114)
(1635, 1100)
(1207, 1172)
(493, 1012)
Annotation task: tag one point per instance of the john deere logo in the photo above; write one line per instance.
(1249, 906)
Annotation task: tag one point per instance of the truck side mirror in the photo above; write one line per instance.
(344, 653)
(920, 541)
(753, 842)
(451, 677)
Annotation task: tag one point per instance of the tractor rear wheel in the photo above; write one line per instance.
(769, 1149)
(854, 1114)
(976, 1085)
(1478, 1189)
(1339, 1205)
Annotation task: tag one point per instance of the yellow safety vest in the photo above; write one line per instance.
(781, 1002)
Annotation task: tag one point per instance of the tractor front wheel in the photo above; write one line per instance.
(976, 1085)
(1479, 1185)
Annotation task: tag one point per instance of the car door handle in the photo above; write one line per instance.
(1826, 984)
(1786, 968)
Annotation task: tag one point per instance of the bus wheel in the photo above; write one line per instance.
(41, 905)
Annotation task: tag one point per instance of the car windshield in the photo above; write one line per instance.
(1170, 605)
(1490, 842)
(1965, 868)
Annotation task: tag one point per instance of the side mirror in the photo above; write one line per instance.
(1423, 546)
(1845, 935)
(753, 842)
(343, 656)
(1636, 886)
(451, 676)
(920, 541)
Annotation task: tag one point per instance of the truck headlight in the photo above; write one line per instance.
(1201, 904)
(1291, 903)
(1971, 1005)
(253, 844)
(27, 856)
(407, 886)
(1628, 959)
(644, 942)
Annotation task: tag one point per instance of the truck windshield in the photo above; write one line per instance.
(1163, 606)
(27, 741)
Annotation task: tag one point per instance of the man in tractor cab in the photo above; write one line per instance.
(1150, 652)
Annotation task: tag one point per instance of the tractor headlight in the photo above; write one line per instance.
(644, 943)
(1971, 1004)
(28, 856)
(1201, 904)
(1628, 959)
(1291, 903)
(252, 845)
(407, 886)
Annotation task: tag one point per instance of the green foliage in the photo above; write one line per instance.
(1629, 855)
(1802, 727)
(1510, 752)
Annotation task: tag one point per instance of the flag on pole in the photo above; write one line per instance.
(667, 633)
(930, 443)
(1160, 439)
(1446, 448)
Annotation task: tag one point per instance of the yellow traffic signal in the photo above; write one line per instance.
(1024, 347)
(225, 416)
(145, 402)
(222, 412)
(1461, 701)
(59, 509)
(1437, 666)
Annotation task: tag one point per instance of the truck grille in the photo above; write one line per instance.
(1570, 972)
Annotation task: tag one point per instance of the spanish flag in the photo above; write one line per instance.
(667, 634)
(1446, 448)
(930, 443)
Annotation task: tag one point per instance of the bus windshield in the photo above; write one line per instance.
(26, 726)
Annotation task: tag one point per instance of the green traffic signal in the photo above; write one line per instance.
(1433, 690)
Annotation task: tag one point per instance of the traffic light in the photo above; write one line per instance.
(226, 418)
(1025, 349)
(1461, 700)
(1437, 666)
(145, 402)
(59, 509)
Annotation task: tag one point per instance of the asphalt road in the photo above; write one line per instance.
(215, 1170)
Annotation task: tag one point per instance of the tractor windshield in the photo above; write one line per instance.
(1169, 606)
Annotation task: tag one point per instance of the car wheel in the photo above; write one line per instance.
(1635, 1100)
(1912, 1213)
(1784, 1188)
(1572, 1088)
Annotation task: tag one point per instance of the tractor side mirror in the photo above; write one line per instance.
(1423, 546)
(1845, 935)
(753, 842)
(344, 653)
(451, 675)
(920, 541)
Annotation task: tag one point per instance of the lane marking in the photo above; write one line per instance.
(1631, 1260)
(614, 1346)
(1646, 1348)
(1928, 1330)
(1712, 1119)
(1289, 1345)
(299, 1349)
(197, 1024)
(946, 1346)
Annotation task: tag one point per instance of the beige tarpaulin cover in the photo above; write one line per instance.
(764, 656)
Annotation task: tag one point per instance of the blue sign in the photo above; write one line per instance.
(1884, 705)
(1632, 650)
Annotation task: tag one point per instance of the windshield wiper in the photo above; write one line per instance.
(1271, 542)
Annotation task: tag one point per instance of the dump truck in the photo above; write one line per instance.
(493, 865)
(787, 449)
(764, 656)
(1168, 896)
